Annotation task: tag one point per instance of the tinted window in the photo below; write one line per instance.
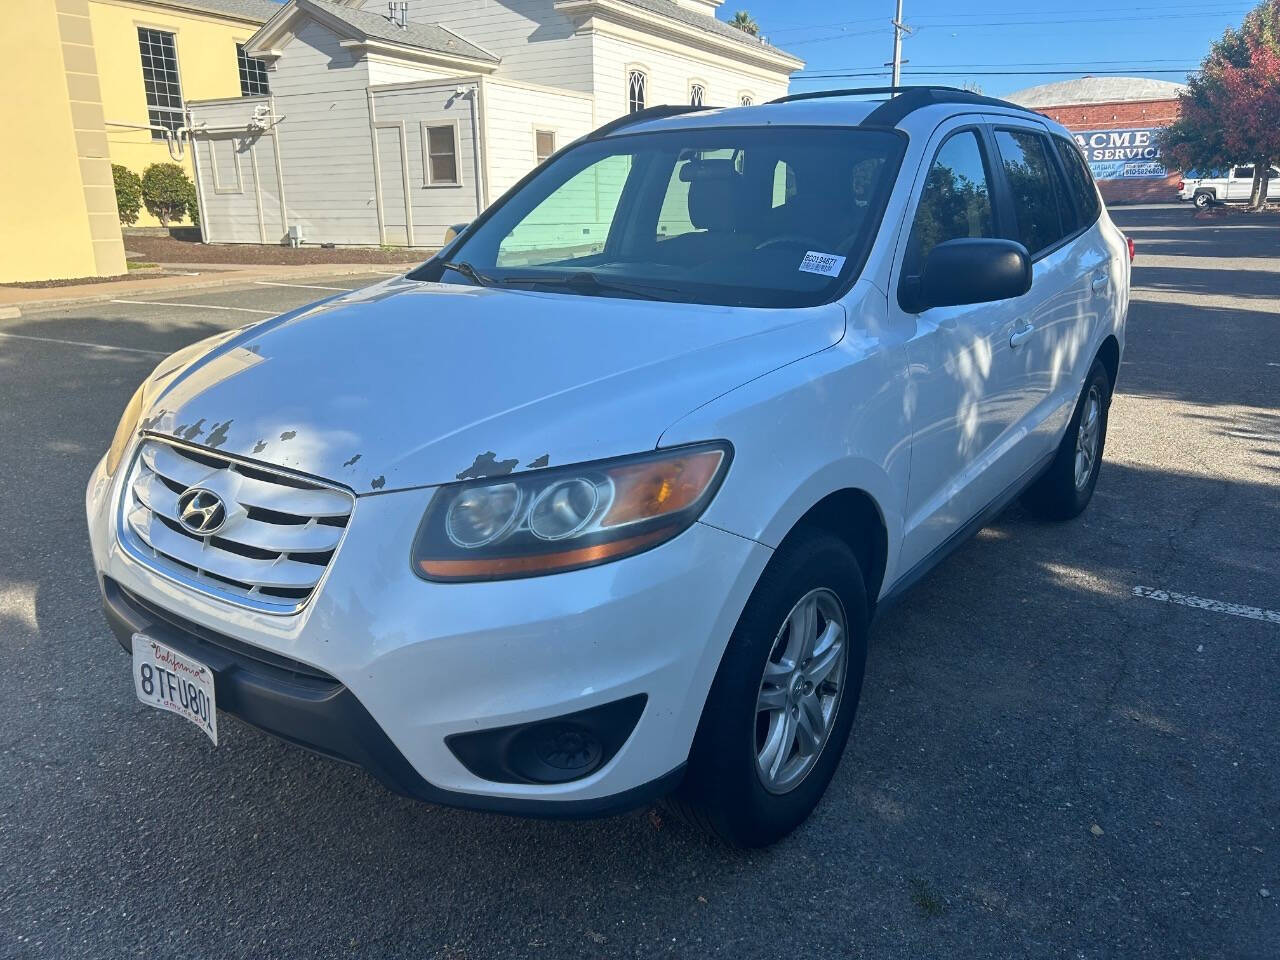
(1079, 180)
(1244, 173)
(956, 201)
(756, 216)
(1031, 185)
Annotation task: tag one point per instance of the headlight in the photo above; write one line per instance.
(565, 518)
(127, 427)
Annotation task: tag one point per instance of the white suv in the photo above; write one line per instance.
(596, 505)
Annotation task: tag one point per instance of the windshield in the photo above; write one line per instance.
(759, 216)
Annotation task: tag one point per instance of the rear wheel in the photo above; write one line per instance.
(1203, 200)
(780, 709)
(1067, 486)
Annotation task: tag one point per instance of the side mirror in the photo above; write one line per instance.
(970, 270)
(453, 230)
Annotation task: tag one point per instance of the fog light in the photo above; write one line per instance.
(566, 748)
(556, 750)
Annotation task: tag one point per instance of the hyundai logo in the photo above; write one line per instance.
(201, 511)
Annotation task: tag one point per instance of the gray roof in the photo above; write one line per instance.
(424, 36)
(1096, 90)
(258, 11)
(669, 8)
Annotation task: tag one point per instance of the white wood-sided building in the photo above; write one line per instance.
(387, 123)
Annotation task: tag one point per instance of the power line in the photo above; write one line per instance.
(1227, 6)
(994, 73)
(999, 24)
(1079, 65)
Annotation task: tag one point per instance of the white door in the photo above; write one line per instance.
(1240, 184)
(392, 183)
(965, 381)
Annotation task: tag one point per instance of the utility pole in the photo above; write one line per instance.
(899, 29)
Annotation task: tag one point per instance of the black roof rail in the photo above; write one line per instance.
(846, 92)
(640, 116)
(907, 100)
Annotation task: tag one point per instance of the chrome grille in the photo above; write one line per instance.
(278, 537)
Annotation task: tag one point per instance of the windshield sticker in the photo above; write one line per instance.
(827, 264)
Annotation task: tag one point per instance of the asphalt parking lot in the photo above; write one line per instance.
(1068, 743)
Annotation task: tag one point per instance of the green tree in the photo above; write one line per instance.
(167, 192)
(128, 193)
(1230, 112)
(746, 23)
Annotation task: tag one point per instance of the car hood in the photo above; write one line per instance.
(410, 384)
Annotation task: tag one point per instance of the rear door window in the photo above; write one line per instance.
(1079, 181)
(956, 201)
(1031, 176)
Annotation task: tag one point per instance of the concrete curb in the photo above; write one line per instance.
(222, 277)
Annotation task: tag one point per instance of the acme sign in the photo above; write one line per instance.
(1121, 154)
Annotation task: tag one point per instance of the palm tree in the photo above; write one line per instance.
(744, 22)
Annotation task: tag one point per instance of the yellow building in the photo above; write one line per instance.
(58, 206)
(190, 51)
(78, 101)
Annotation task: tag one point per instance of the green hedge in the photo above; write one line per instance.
(128, 193)
(168, 193)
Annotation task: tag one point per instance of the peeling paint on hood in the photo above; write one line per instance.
(409, 384)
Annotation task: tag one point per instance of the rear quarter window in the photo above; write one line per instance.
(1031, 175)
(1079, 181)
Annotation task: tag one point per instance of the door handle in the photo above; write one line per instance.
(1022, 334)
(1100, 282)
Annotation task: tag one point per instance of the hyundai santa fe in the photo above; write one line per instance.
(596, 505)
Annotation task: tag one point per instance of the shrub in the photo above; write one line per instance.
(128, 193)
(167, 192)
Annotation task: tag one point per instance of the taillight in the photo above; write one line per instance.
(1182, 185)
(1129, 242)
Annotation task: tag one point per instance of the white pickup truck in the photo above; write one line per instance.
(1235, 187)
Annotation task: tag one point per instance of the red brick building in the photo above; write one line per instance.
(1115, 120)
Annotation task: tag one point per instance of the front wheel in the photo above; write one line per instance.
(780, 709)
(1203, 200)
(1067, 485)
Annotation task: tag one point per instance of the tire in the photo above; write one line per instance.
(1064, 490)
(1203, 200)
(725, 791)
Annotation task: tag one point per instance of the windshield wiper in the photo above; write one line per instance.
(468, 271)
(585, 279)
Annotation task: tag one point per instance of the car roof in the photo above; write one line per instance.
(892, 107)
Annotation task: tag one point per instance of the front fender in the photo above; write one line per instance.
(836, 420)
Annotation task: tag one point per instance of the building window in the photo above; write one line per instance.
(544, 144)
(697, 94)
(253, 74)
(746, 100)
(637, 83)
(440, 145)
(160, 79)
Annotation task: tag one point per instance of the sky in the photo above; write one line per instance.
(1001, 45)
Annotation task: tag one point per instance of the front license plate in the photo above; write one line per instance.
(169, 680)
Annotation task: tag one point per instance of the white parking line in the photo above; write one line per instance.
(198, 306)
(81, 343)
(300, 286)
(1217, 606)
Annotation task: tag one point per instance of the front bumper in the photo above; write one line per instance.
(384, 670)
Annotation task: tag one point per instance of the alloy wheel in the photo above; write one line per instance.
(800, 691)
(1088, 437)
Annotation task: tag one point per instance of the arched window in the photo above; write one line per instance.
(637, 83)
(746, 100)
(697, 94)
